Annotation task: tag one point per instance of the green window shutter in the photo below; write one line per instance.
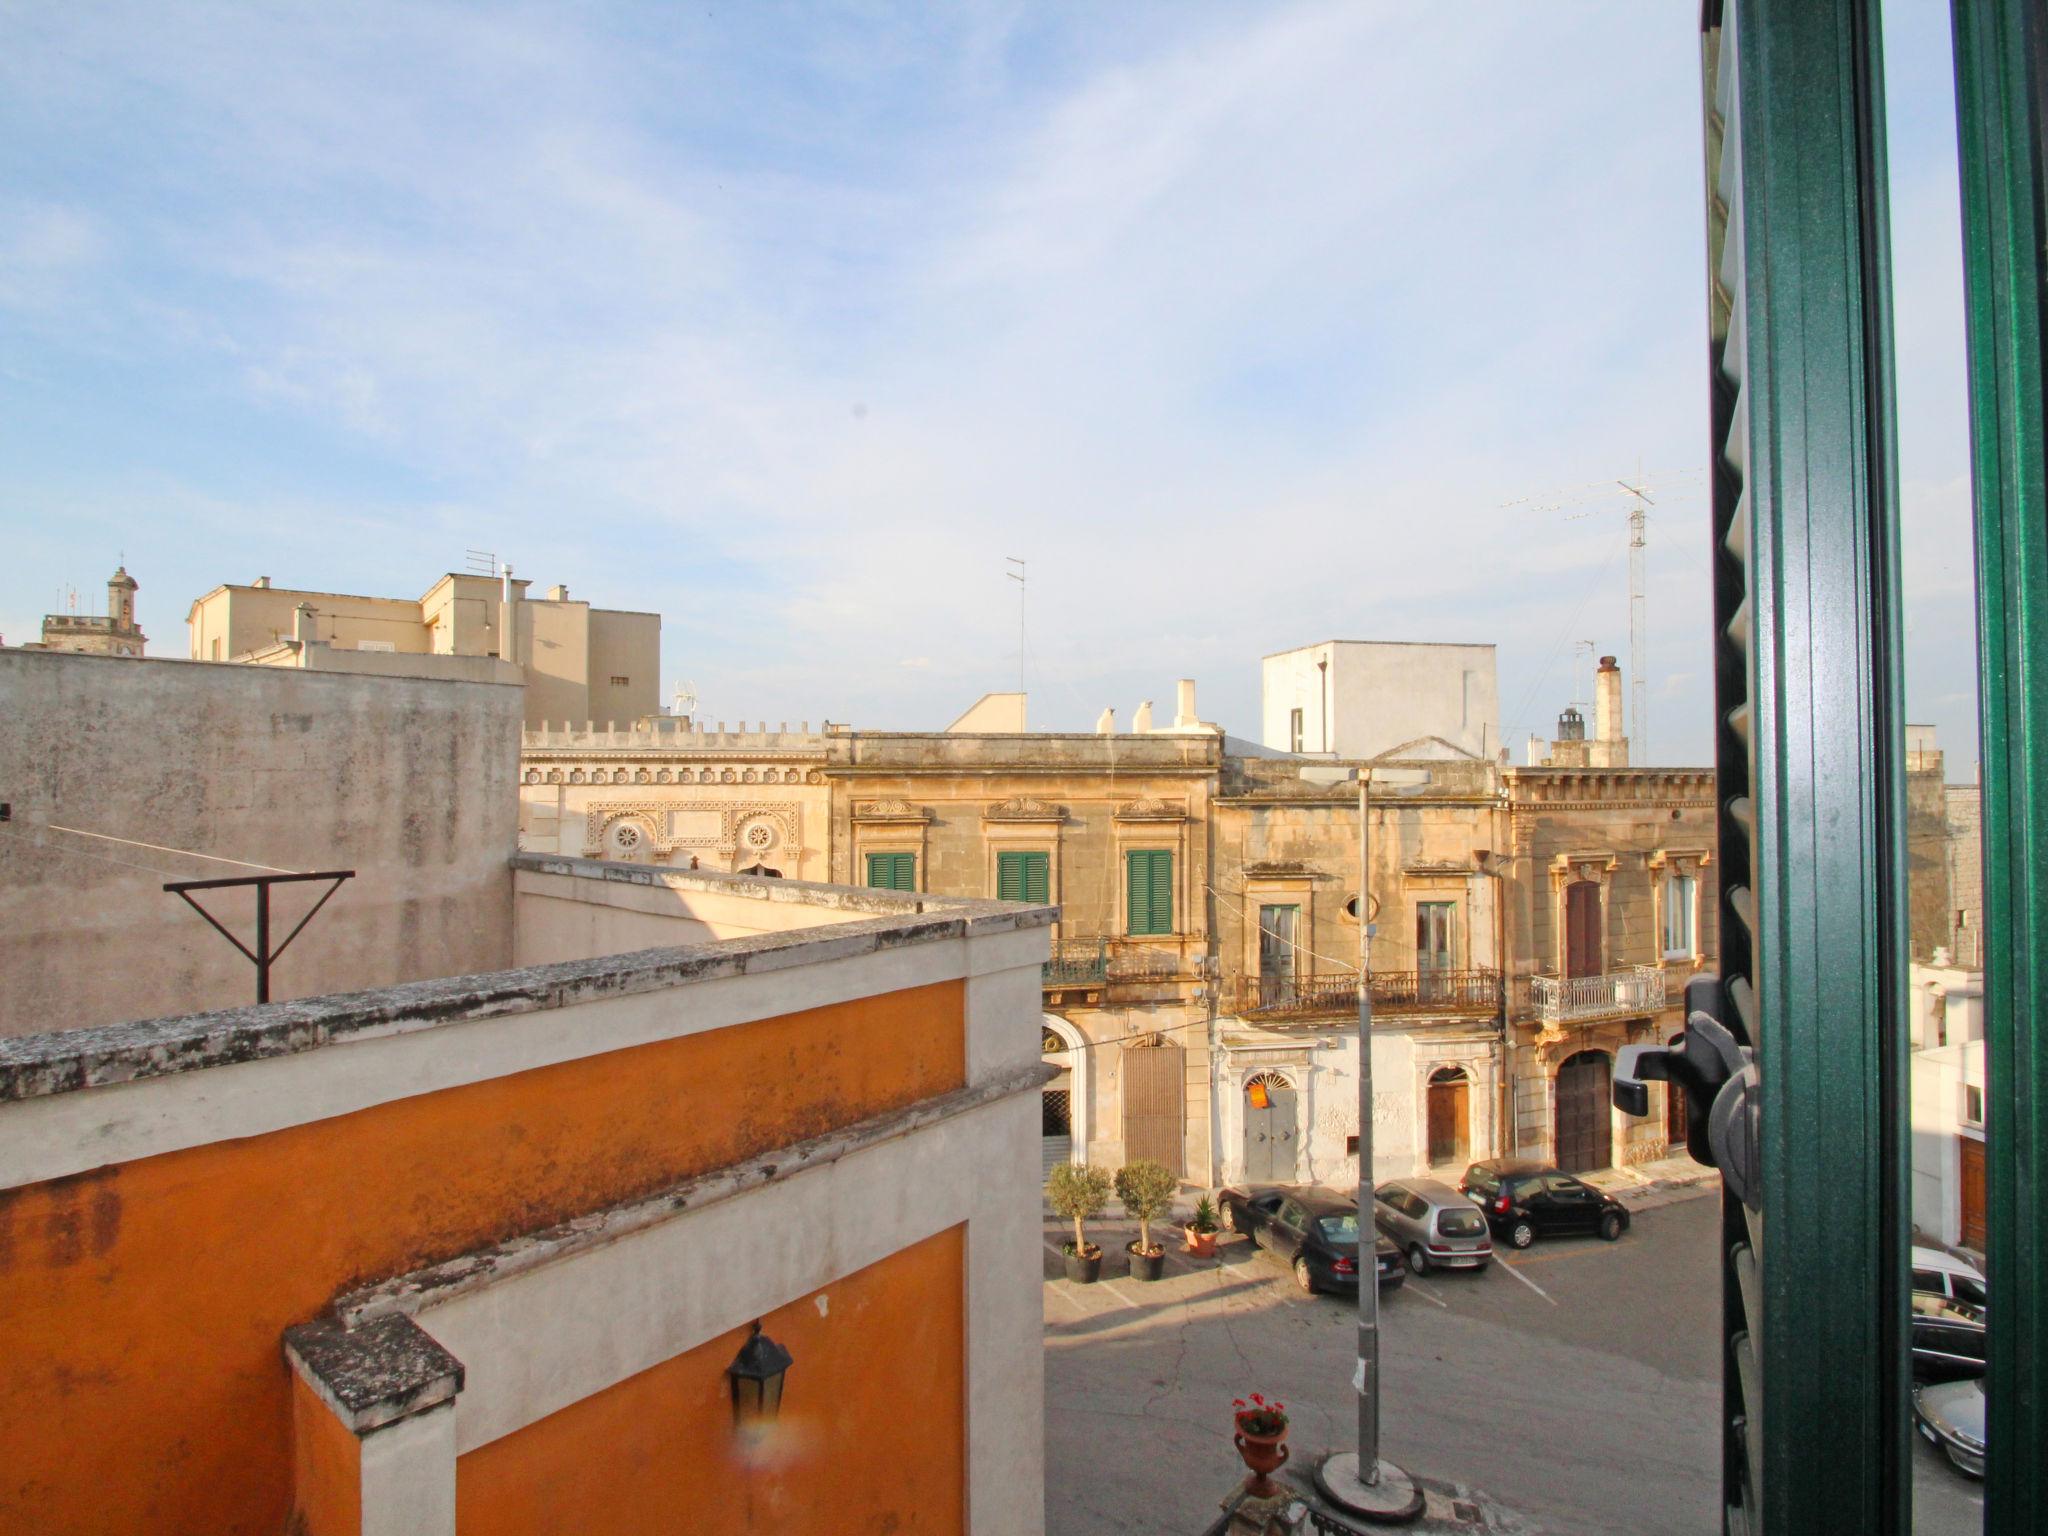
(1148, 876)
(893, 871)
(1024, 877)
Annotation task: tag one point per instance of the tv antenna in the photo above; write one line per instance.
(1019, 576)
(1638, 618)
(482, 562)
(685, 700)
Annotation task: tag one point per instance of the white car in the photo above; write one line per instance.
(1943, 1274)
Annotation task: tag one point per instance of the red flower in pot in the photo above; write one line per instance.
(1261, 1433)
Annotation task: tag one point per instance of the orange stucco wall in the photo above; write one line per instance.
(871, 1436)
(141, 1305)
(327, 1469)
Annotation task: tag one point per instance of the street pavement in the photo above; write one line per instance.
(1572, 1388)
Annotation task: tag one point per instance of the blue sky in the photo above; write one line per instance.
(1246, 326)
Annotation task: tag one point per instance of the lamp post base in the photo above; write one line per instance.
(1391, 1500)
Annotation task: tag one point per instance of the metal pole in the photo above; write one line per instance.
(1368, 1258)
(262, 943)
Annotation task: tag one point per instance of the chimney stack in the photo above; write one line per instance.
(1184, 711)
(1607, 701)
(1141, 721)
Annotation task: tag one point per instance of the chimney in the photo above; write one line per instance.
(1184, 710)
(261, 581)
(305, 628)
(508, 619)
(1607, 701)
(1105, 723)
(1141, 722)
(558, 593)
(1536, 748)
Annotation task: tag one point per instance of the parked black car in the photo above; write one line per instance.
(1948, 1338)
(1311, 1230)
(1525, 1201)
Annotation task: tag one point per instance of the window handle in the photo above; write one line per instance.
(1720, 1083)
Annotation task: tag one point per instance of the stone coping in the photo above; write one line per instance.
(407, 1294)
(64, 1061)
(373, 1375)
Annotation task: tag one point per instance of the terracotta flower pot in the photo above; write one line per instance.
(1201, 1244)
(1084, 1268)
(1265, 1455)
(1146, 1266)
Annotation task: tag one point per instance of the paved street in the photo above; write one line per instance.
(1574, 1387)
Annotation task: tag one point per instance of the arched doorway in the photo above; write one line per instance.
(1585, 1127)
(1272, 1129)
(1063, 1103)
(1450, 1116)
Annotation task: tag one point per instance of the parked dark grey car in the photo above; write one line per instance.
(1433, 1225)
(1951, 1416)
(1312, 1231)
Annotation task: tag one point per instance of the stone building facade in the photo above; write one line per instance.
(1610, 890)
(1200, 1003)
(1115, 830)
(669, 791)
(1285, 1092)
(113, 633)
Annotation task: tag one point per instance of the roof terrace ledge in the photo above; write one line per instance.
(65, 1061)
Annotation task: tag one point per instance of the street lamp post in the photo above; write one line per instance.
(1361, 1481)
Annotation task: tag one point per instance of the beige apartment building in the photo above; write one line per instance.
(580, 665)
(1200, 1003)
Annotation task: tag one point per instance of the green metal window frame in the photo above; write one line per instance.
(893, 871)
(1024, 876)
(1809, 758)
(1148, 891)
(2002, 128)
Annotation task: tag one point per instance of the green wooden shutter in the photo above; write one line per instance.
(893, 871)
(1024, 877)
(1148, 878)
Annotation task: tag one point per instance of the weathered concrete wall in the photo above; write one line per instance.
(1381, 694)
(1965, 804)
(1931, 913)
(564, 917)
(409, 783)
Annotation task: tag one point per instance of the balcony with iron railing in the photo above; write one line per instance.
(1555, 1000)
(1277, 999)
(1095, 961)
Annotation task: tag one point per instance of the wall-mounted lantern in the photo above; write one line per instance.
(756, 1373)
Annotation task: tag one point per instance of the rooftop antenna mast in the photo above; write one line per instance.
(1638, 619)
(1023, 587)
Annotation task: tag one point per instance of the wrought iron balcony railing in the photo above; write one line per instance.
(1264, 998)
(1574, 999)
(1076, 963)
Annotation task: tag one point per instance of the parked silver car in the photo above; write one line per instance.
(1433, 1225)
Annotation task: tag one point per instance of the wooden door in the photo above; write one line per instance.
(1448, 1108)
(1155, 1101)
(1582, 928)
(1585, 1132)
(1271, 1130)
(1972, 1191)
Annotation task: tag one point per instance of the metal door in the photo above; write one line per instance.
(1585, 1133)
(1276, 955)
(1582, 928)
(1271, 1130)
(1155, 1101)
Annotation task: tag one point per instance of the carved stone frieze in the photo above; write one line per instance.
(1024, 808)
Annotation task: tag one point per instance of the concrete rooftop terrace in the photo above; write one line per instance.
(740, 925)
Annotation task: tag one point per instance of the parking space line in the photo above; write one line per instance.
(1425, 1292)
(1512, 1268)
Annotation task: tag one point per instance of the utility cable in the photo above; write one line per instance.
(215, 858)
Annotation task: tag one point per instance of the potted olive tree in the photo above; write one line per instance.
(1201, 1229)
(1146, 1190)
(1078, 1192)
